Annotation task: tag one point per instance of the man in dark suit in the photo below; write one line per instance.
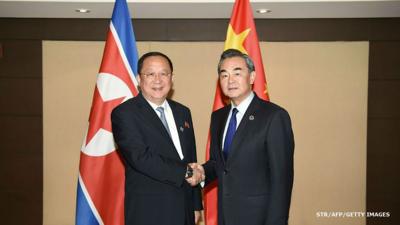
(251, 151)
(156, 140)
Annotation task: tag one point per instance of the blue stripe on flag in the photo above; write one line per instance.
(121, 20)
(84, 214)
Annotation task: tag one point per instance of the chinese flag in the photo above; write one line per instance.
(241, 35)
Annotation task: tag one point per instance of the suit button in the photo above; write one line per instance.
(225, 172)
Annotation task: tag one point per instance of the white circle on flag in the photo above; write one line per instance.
(101, 144)
(110, 87)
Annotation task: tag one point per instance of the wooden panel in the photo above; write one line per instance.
(383, 138)
(312, 29)
(21, 96)
(20, 136)
(384, 99)
(155, 29)
(383, 145)
(384, 60)
(21, 207)
(75, 29)
(197, 30)
(382, 29)
(21, 122)
(383, 181)
(21, 171)
(14, 29)
(204, 29)
(21, 59)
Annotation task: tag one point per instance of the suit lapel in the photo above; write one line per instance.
(179, 123)
(152, 117)
(220, 129)
(248, 118)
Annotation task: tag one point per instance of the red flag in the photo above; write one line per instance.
(101, 181)
(241, 35)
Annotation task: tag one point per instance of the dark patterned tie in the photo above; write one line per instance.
(230, 132)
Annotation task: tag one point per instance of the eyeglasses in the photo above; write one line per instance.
(152, 75)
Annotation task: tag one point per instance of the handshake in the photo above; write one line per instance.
(198, 174)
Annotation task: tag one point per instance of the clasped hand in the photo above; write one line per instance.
(198, 174)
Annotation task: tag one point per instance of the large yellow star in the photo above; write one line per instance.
(234, 40)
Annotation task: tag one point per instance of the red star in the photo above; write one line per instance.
(100, 114)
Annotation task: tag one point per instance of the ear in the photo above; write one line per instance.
(138, 79)
(252, 77)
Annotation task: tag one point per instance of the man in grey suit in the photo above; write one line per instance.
(251, 150)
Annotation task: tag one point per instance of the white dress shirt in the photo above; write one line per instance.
(169, 116)
(242, 107)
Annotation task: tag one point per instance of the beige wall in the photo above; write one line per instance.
(322, 85)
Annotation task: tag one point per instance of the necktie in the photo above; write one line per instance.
(230, 132)
(163, 119)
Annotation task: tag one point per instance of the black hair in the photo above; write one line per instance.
(230, 53)
(149, 54)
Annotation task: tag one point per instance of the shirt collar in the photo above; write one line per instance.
(242, 107)
(155, 106)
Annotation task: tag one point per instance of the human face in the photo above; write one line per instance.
(155, 79)
(235, 79)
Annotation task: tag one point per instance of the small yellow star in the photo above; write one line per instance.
(234, 40)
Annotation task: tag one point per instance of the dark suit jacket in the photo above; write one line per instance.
(155, 189)
(255, 183)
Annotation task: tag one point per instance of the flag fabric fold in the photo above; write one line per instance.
(101, 180)
(241, 35)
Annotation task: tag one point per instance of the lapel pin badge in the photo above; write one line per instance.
(187, 124)
(181, 129)
(251, 117)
